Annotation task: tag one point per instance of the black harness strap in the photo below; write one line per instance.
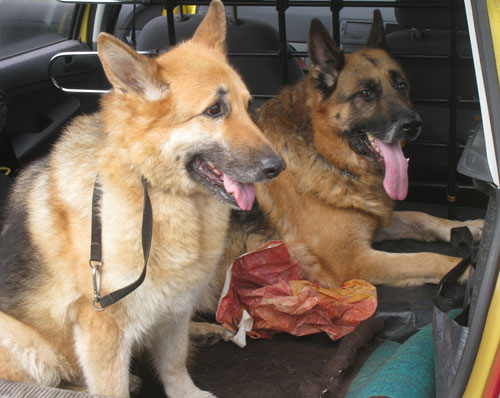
(448, 296)
(96, 249)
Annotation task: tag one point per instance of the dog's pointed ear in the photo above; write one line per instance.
(212, 30)
(376, 38)
(326, 58)
(128, 71)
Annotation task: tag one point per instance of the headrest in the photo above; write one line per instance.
(154, 35)
(261, 74)
(437, 18)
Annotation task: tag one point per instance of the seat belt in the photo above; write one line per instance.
(9, 164)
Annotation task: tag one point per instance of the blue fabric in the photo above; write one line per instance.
(399, 370)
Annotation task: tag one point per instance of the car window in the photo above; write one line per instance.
(30, 24)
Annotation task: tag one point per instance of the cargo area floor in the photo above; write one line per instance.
(296, 367)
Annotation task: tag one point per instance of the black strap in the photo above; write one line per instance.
(96, 250)
(448, 296)
(10, 163)
(96, 231)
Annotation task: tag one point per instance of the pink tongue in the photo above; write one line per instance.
(243, 193)
(396, 170)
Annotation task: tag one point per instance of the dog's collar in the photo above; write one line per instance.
(95, 262)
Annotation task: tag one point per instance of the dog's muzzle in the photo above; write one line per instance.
(410, 127)
(270, 167)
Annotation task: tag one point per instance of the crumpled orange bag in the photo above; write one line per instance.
(268, 287)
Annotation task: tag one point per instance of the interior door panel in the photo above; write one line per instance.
(28, 145)
(37, 110)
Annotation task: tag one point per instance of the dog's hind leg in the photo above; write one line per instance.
(424, 227)
(25, 356)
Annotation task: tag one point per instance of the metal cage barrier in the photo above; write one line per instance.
(284, 54)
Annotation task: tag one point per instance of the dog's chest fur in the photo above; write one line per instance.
(187, 242)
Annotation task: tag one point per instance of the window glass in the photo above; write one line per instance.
(29, 24)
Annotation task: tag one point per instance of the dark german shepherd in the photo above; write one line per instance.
(340, 131)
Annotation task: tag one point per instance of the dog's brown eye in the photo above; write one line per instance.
(402, 86)
(214, 110)
(365, 93)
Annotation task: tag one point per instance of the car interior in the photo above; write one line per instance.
(45, 87)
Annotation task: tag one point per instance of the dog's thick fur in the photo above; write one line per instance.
(169, 120)
(330, 204)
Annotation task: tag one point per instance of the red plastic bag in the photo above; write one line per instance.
(268, 286)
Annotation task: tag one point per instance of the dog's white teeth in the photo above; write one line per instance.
(210, 164)
(216, 172)
(408, 160)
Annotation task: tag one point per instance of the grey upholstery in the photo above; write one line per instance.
(154, 35)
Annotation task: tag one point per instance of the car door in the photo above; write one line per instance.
(31, 33)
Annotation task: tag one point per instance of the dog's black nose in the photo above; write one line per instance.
(411, 126)
(271, 166)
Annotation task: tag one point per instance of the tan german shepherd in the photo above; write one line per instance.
(179, 122)
(340, 131)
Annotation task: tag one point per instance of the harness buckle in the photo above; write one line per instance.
(96, 283)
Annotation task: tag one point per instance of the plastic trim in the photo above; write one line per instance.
(487, 79)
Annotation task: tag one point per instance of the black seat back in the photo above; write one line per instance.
(261, 74)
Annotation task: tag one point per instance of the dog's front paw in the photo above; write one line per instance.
(135, 384)
(205, 333)
(464, 277)
(476, 228)
(190, 391)
(204, 394)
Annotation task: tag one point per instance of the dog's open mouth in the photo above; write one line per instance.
(236, 194)
(392, 160)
